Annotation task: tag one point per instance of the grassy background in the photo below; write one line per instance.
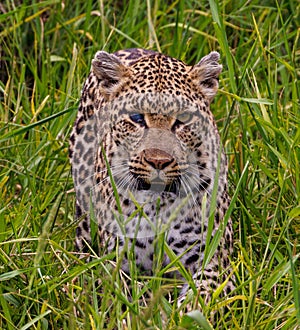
(46, 48)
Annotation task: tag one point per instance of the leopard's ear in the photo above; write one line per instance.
(110, 70)
(206, 74)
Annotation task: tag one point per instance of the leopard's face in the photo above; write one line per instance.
(160, 151)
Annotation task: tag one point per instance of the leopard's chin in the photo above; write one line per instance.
(159, 186)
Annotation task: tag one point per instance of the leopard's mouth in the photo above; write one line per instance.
(159, 185)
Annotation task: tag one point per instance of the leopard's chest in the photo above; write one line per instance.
(151, 226)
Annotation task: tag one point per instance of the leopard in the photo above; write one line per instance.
(147, 160)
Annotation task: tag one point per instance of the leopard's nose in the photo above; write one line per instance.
(157, 158)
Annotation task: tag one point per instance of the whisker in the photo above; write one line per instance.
(195, 169)
(188, 189)
(103, 170)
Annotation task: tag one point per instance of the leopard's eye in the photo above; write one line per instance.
(138, 118)
(184, 117)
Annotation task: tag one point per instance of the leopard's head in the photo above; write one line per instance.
(157, 137)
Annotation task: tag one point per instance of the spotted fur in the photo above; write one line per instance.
(148, 116)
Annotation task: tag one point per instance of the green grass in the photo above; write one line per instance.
(46, 51)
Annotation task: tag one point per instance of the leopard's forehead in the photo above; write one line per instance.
(154, 72)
